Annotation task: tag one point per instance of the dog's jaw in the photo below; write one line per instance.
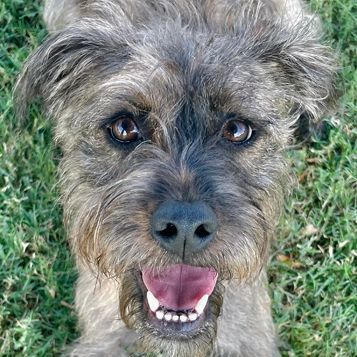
(157, 335)
(176, 299)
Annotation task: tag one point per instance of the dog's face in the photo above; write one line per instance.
(173, 172)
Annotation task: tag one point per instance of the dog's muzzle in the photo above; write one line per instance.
(177, 296)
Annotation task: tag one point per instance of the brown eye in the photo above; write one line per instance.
(125, 130)
(237, 131)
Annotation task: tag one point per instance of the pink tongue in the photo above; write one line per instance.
(180, 287)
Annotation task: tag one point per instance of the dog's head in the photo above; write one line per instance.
(173, 123)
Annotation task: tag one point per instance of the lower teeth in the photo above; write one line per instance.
(175, 318)
(159, 314)
(168, 316)
(183, 318)
(162, 313)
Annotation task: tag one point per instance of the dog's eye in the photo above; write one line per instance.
(237, 131)
(125, 130)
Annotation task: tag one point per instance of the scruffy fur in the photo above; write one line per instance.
(182, 66)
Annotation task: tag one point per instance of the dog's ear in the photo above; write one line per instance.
(311, 69)
(306, 69)
(67, 65)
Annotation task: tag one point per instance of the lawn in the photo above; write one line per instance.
(312, 270)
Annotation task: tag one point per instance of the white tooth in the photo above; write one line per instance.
(159, 314)
(175, 318)
(183, 318)
(200, 306)
(192, 316)
(153, 302)
(168, 316)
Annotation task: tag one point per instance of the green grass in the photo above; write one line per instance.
(36, 274)
(313, 271)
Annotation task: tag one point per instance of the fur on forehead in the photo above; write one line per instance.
(67, 67)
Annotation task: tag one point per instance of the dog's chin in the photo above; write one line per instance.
(170, 314)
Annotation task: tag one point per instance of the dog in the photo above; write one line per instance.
(173, 117)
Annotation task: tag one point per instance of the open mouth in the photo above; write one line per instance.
(177, 297)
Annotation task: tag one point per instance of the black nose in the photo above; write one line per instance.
(183, 227)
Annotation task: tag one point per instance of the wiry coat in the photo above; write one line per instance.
(180, 66)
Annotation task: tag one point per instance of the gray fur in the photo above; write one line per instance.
(183, 64)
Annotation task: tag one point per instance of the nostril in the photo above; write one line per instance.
(201, 231)
(183, 228)
(170, 231)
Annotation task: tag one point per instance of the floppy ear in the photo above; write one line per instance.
(310, 68)
(305, 69)
(66, 63)
(286, 40)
